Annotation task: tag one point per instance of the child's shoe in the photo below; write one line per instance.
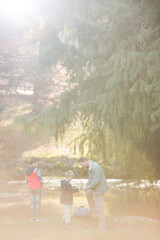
(69, 225)
(40, 219)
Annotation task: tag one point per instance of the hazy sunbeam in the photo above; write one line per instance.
(16, 10)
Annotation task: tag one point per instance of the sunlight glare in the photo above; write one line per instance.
(16, 10)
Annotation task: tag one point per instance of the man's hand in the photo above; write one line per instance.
(84, 187)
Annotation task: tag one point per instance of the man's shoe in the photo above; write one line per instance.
(40, 219)
(101, 228)
(94, 215)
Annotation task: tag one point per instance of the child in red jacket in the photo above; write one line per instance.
(34, 180)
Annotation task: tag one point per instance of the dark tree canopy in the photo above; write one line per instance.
(111, 52)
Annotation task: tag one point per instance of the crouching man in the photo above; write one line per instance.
(95, 189)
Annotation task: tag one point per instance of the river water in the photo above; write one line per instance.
(124, 198)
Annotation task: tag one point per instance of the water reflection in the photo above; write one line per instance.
(124, 198)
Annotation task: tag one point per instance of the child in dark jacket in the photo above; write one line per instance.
(67, 196)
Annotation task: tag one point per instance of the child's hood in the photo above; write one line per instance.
(29, 170)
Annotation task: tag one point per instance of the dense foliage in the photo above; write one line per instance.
(111, 51)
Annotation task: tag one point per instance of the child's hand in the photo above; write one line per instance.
(79, 188)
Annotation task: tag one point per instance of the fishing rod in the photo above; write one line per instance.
(48, 181)
(70, 161)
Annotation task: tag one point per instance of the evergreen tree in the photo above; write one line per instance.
(111, 50)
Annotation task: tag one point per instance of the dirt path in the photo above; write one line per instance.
(15, 225)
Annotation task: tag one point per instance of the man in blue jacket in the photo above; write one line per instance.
(95, 189)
